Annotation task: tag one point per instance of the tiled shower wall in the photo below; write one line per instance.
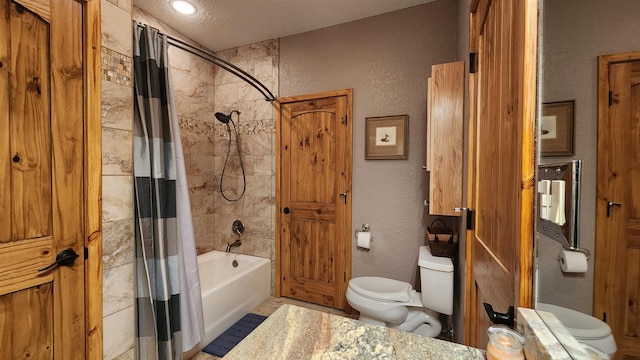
(256, 127)
(200, 90)
(117, 181)
(194, 90)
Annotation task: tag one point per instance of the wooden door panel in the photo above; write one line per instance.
(20, 261)
(30, 133)
(481, 336)
(313, 156)
(617, 274)
(485, 268)
(313, 257)
(26, 331)
(314, 168)
(5, 130)
(502, 160)
(42, 206)
(630, 327)
(312, 201)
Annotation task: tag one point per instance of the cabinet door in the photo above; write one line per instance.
(445, 101)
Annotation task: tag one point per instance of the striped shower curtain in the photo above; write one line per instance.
(168, 300)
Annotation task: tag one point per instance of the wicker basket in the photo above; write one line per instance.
(443, 241)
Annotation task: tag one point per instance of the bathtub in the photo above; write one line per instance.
(228, 292)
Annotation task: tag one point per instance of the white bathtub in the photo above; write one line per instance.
(229, 293)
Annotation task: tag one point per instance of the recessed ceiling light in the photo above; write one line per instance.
(183, 7)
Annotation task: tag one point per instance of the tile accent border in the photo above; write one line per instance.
(116, 67)
(260, 127)
(197, 127)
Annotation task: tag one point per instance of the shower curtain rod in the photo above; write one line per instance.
(209, 56)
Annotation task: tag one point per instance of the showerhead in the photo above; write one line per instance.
(223, 118)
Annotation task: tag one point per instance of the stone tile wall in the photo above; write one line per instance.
(117, 181)
(201, 89)
(193, 84)
(256, 127)
(194, 91)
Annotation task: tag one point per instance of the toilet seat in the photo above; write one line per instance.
(379, 288)
(393, 312)
(586, 329)
(581, 326)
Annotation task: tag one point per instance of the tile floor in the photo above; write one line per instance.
(271, 304)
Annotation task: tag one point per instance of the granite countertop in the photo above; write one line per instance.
(293, 332)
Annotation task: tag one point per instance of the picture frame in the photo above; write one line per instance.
(387, 137)
(556, 129)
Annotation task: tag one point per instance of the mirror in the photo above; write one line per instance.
(572, 36)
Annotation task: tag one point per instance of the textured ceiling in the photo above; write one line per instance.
(224, 24)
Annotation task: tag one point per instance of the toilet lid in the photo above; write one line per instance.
(381, 288)
(580, 325)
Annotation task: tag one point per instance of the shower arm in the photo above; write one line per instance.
(268, 95)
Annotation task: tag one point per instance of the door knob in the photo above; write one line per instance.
(286, 210)
(500, 318)
(64, 258)
(611, 204)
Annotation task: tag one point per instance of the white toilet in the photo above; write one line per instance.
(395, 304)
(585, 328)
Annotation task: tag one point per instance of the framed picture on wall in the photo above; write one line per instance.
(387, 137)
(556, 129)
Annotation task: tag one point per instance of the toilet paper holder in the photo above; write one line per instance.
(365, 228)
(586, 252)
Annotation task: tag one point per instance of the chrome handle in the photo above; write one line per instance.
(64, 258)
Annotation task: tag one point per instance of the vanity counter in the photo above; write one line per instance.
(293, 332)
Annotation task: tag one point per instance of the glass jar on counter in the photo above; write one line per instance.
(504, 344)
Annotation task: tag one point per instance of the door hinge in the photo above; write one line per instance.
(604, 317)
(610, 98)
(469, 213)
(345, 276)
(470, 219)
(86, 253)
(346, 119)
(472, 63)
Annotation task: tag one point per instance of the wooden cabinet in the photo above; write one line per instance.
(445, 104)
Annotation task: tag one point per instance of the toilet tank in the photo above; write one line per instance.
(436, 277)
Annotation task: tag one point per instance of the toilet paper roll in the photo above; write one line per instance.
(573, 262)
(364, 239)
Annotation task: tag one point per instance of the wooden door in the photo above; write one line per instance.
(314, 197)
(617, 264)
(42, 313)
(501, 160)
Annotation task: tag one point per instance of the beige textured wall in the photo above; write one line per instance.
(386, 60)
(574, 34)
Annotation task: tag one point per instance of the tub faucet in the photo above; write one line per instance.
(233, 245)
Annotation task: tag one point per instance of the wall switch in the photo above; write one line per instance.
(557, 202)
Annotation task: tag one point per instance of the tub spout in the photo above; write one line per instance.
(233, 245)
